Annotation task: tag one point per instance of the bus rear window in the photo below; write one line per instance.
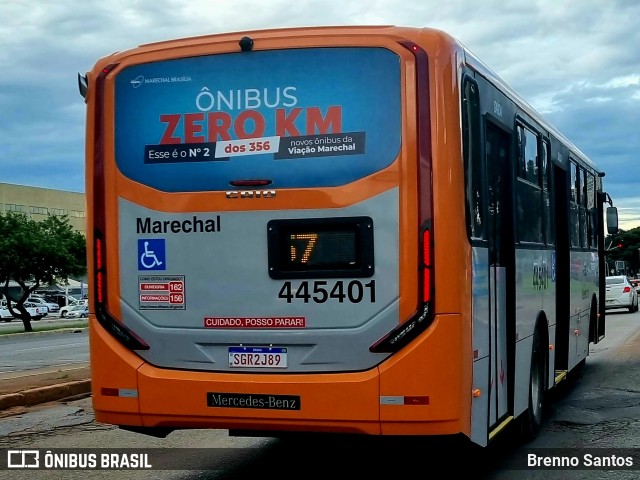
(297, 118)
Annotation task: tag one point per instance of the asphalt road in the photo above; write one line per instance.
(21, 353)
(598, 409)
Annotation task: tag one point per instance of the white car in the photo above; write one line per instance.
(621, 293)
(36, 311)
(51, 307)
(72, 303)
(5, 314)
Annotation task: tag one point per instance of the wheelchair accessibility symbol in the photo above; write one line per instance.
(151, 254)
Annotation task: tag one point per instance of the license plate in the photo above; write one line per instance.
(257, 357)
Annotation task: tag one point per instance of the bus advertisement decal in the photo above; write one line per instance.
(184, 136)
(349, 143)
(255, 322)
(282, 148)
(161, 292)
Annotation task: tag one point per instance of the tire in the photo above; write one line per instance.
(532, 417)
(63, 314)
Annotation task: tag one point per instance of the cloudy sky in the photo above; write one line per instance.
(576, 61)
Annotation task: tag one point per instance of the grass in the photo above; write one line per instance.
(19, 328)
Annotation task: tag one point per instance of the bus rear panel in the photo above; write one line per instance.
(261, 237)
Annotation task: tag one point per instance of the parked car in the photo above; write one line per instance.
(72, 303)
(621, 293)
(5, 314)
(36, 311)
(79, 311)
(51, 307)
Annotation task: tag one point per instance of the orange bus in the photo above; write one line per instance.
(332, 229)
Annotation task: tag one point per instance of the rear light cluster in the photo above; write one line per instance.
(626, 290)
(426, 266)
(124, 335)
(407, 331)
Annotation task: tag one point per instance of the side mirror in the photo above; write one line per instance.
(612, 220)
(83, 85)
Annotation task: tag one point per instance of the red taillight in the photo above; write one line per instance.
(98, 254)
(426, 248)
(626, 290)
(416, 400)
(99, 287)
(426, 266)
(99, 276)
(426, 283)
(109, 392)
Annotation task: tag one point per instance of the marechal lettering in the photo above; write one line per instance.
(191, 225)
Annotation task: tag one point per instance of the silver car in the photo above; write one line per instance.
(621, 293)
(79, 311)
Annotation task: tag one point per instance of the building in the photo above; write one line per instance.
(39, 202)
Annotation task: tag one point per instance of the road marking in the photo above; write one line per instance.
(47, 370)
(49, 347)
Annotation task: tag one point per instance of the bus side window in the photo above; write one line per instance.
(473, 161)
(592, 211)
(547, 211)
(574, 211)
(529, 209)
(584, 229)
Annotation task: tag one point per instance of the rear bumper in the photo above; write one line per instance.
(370, 402)
(610, 304)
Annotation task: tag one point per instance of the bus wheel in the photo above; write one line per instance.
(532, 418)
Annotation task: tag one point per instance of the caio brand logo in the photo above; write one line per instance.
(250, 194)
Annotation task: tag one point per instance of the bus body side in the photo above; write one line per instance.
(532, 219)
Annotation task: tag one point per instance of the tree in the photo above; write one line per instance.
(625, 246)
(35, 253)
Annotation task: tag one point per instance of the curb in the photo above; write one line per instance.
(45, 332)
(35, 396)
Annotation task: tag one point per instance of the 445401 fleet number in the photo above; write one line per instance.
(321, 291)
